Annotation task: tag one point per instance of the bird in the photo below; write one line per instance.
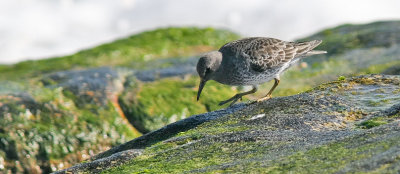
(250, 62)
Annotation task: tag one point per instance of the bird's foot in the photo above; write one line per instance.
(261, 99)
(264, 98)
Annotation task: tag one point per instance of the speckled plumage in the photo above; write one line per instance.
(252, 61)
(256, 60)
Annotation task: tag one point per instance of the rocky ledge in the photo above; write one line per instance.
(348, 125)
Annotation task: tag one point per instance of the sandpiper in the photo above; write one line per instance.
(252, 61)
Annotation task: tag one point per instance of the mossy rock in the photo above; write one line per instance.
(41, 130)
(313, 132)
(136, 51)
(349, 36)
(151, 105)
(392, 70)
(56, 112)
(156, 84)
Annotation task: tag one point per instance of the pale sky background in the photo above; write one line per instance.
(34, 29)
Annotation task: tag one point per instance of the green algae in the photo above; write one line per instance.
(329, 158)
(158, 103)
(50, 129)
(207, 155)
(341, 78)
(368, 124)
(346, 37)
(377, 121)
(378, 68)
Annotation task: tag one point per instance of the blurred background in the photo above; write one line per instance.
(34, 29)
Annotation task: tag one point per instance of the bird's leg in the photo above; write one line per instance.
(236, 97)
(268, 96)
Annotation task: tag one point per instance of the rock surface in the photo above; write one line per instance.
(41, 126)
(60, 111)
(57, 112)
(95, 86)
(343, 126)
(352, 51)
(393, 70)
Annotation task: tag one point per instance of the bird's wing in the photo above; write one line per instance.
(265, 53)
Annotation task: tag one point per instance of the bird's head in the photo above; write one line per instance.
(206, 67)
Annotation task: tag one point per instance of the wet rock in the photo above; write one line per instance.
(79, 113)
(347, 37)
(394, 70)
(105, 163)
(179, 67)
(60, 111)
(14, 103)
(91, 86)
(42, 130)
(319, 131)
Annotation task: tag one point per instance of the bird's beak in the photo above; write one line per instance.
(201, 86)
